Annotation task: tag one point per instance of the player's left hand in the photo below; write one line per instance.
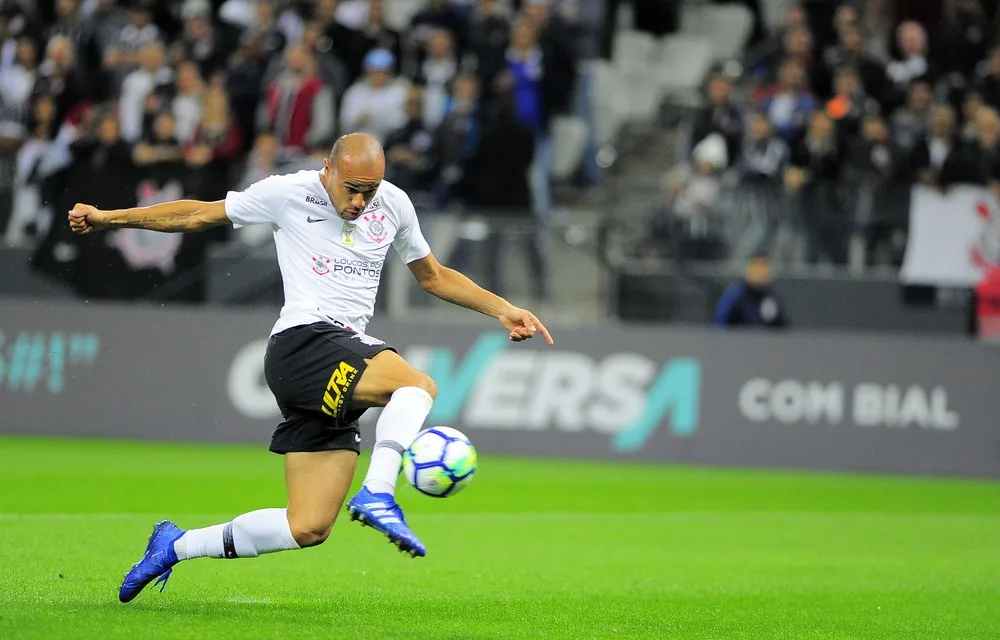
(523, 324)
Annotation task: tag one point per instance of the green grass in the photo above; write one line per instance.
(532, 549)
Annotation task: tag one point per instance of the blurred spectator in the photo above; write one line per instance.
(913, 64)
(289, 20)
(797, 45)
(813, 177)
(542, 88)
(214, 148)
(988, 78)
(693, 200)
(12, 134)
(977, 162)
(373, 33)
(879, 175)
(297, 106)
(850, 52)
(908, 123)
(59, 77)
(557, 40)
(102, 171)
(849, 104)
(122, 51)
(188, 103)
(70, 23)
(759, 199)
(845, 16)
(410, 150)
(752, 303)
(265, 31)
(44, 153)
(375, 104)
(971, 104)
(458, 136)
(138, 86)
(244, 77)
(764, 57)
(930, 153)
(107, 21)
(238, 13)
(719, 115)
(489, 33)
(588, 18)
(17, 76)
(159, 153)
(330, 69)
(439, 14)
(206, 44)
(788, 104)
(498, 186)
(437, 72)
(964, 37)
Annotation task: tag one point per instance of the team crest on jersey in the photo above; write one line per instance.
(369, 340)
(321, 265)
(376, 231)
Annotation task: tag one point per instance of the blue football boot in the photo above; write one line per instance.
(380, 511)
(158, 560)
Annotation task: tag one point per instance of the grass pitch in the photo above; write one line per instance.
(531, 549)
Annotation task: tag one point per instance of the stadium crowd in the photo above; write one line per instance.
(835, 126)
(126, 102)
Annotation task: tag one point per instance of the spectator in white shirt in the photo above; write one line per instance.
(375, 104)
(138, 85)
(437, 73)
(18, 78)
(188, 104)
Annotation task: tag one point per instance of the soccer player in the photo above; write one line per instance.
(332, 230)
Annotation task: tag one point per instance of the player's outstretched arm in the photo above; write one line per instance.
(456, 288)
(178, 216)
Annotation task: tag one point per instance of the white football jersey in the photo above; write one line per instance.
(330, 268)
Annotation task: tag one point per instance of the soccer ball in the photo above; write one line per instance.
(440, 462)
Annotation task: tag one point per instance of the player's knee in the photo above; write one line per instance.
(310, 533)
(427, 383)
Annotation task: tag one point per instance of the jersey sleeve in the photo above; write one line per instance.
(260, 203)
(409, 242)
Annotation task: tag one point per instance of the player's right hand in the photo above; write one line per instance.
(84, 218)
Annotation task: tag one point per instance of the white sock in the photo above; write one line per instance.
(247, 536)
(396, 428)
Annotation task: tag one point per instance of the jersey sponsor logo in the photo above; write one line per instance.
(313, 220)
(321, 265)
(311, 199)
(336, 389)
(356, 268)
(377, 231)
(376, 203)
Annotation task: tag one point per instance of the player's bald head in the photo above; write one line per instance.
(353, 172)
(359, 153)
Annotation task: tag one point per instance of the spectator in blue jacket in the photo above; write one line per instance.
(751, 302)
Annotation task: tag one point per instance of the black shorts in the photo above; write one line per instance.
(312, 371)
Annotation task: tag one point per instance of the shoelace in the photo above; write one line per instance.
(163, 579)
